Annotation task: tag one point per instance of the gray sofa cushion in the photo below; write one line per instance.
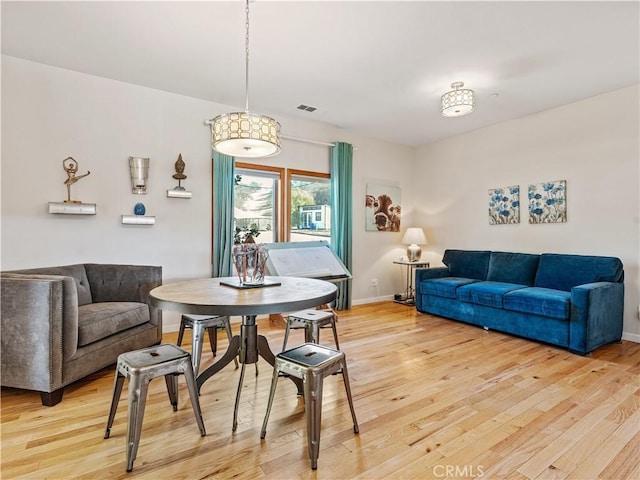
(77, 272)
(486, 293)
(539, 301)
(517, 268)
(100, 320)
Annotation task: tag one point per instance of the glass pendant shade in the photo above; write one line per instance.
(459, 101)
(244, 134)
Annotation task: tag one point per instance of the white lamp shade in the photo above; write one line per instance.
(414, 235)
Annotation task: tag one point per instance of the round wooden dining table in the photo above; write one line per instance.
(227, 296)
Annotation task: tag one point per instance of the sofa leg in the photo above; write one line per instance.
(51, 399)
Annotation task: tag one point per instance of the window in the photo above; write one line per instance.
(309, 202)
(259, 202)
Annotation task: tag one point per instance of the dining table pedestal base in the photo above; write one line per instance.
(248, 347)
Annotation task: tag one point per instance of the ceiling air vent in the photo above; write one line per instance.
(306, 108)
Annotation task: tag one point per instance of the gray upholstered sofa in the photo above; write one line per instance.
(60, 324)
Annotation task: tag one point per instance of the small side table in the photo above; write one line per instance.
(411, 266)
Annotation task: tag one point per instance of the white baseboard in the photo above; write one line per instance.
(363, 301)
(632, 337)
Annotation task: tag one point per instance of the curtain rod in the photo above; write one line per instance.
(296, 139)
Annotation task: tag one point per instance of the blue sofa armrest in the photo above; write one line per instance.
(596, 315)
(426, 274)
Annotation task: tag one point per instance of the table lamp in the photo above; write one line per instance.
(414, 236)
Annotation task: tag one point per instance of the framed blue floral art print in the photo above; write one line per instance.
(504, 205)
(548, 202)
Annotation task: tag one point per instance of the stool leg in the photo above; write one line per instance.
(313, 415)
(345, 378)
(181, 332)
(196, 349)
(117, 390)
(335, 333)
(172, 389)
(312, 333)
(193, 394)
(286, 336)
(213, 339)
(138, 387)
(227, 327)
(272, 392)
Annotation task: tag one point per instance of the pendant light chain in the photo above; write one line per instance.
(246, 68)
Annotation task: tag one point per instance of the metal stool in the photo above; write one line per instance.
(142, 366)
(311, 363)
(198, 324)
(312, 321)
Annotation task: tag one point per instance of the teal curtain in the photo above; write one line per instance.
(341, 167)
(223, 177)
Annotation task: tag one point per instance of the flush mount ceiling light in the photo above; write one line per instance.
(459, 101)
(244, 134)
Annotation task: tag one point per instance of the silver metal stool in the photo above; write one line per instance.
(311, 363)
(198, 324)
(140, 367)
(312, 321)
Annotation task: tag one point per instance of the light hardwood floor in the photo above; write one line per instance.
(434, 398)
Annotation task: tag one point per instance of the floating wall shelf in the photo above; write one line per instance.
(72, 208)
(138, 220)
(178, 194)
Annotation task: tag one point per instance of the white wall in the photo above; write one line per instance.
(594, 145)
(49, 114)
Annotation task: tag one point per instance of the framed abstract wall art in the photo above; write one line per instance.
(548, 202)
(383, 210)
(504, 205)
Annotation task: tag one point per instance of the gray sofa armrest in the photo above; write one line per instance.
(39, 327)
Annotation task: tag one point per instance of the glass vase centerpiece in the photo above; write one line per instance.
(249, 260)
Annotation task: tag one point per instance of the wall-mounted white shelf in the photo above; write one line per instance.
(178, 194)
(72, 208)
(138, 220)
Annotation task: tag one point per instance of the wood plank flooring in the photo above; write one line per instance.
(434, 398)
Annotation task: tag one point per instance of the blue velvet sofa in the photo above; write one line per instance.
(572, 301)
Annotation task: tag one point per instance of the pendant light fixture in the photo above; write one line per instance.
(245, 134)
(459, 101)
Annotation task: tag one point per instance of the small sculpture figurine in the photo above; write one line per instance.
(179, 175)
(70, 166)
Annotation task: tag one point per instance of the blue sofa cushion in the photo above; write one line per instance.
(444, 287)
(486, 293)
(467, 263)
(539, 301)
(517, 268)
(562, 272)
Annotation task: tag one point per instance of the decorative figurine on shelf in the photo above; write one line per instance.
(70, 166)
(179, 175)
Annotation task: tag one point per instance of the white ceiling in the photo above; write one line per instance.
(377, 68)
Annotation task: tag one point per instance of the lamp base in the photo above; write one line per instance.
(414, 252)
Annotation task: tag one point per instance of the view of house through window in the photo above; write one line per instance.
(259, 198)
(309, 206)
